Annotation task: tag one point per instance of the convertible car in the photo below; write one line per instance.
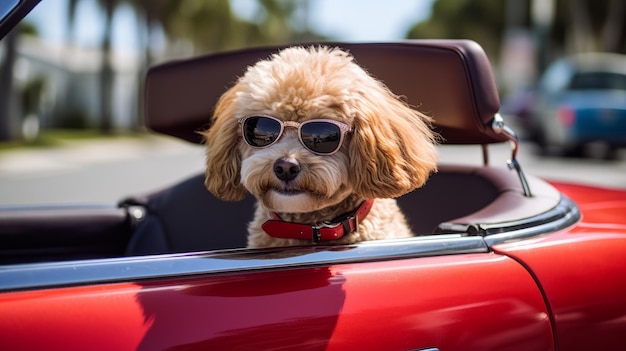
(501, 260)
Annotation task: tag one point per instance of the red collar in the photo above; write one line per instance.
(325, 231)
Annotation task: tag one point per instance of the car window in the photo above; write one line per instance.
(556, 77)
(6, 7)
(598, 81)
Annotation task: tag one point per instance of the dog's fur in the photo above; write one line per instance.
(391, 150)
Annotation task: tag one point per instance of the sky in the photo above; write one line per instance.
(346, 20)
(359, 20)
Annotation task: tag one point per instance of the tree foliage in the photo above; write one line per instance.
(479, 20)
(213, 26)
(577, 25)
(205, 26)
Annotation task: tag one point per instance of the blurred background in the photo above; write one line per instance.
(73, 71)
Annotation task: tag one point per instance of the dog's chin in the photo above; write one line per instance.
(291, 201)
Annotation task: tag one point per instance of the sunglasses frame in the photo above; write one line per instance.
(343, 128)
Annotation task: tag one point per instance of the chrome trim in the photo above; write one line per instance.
(132, 269)
(499, 127)
(564, 215)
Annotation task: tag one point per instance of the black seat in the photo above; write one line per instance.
(186, 217)
(63, 232)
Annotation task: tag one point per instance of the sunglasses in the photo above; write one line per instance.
(320, 136)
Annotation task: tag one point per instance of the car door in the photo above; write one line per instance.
(445, 292)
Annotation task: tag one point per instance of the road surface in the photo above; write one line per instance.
(105, 171)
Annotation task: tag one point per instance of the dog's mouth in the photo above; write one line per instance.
(289, 191)
(293, 190)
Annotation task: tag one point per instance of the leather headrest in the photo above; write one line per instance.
(449, 80)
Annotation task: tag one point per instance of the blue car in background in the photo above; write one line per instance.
(581, 100)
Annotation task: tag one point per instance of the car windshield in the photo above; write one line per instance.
(598, 81)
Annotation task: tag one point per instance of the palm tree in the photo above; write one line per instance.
(106, 69)
(148, 14)
(7, 94)
(71, 18)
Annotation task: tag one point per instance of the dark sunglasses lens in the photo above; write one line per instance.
(260, 131)
(321, 137)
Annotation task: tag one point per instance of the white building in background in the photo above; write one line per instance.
(72, 81)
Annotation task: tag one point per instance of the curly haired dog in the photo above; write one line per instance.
(324, 147)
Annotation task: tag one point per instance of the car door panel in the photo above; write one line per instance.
(581, 273)
(467, 301)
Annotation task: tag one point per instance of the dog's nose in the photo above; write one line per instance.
(286, 168)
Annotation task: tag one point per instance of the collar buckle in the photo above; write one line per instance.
(316, 236)
(347, 228)
(316, 230)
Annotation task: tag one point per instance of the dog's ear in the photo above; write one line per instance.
(223, 161)
(392, 149)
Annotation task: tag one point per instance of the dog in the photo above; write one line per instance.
(323, 146)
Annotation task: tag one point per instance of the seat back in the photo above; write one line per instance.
(449, 80)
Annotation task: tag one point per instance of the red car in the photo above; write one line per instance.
(502, 260)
